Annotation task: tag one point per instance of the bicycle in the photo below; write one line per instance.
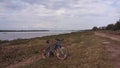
(61, 52)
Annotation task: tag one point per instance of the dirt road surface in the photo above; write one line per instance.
(112, 48)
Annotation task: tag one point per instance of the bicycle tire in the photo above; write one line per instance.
(62, 53)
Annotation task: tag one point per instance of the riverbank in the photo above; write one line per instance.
(86, 51)
(22, 30)
(30, 34)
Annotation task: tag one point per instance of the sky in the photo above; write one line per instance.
(57, 14)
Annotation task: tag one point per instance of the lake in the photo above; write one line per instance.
(27, 35)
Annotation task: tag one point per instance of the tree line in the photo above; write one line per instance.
(113, 27)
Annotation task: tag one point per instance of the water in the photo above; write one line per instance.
(27, 35)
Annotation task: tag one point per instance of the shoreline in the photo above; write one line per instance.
(20, 39)
(31, 35)
(22, 30)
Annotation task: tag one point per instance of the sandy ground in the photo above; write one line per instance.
(112, 48)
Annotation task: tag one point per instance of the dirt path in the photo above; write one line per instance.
(111, 36)
(26, 61)
(112, 48)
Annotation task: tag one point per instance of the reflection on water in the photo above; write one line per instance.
(23, 35)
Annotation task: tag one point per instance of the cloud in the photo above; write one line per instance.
(57, 14)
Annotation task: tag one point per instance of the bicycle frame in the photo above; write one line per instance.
(59, 52)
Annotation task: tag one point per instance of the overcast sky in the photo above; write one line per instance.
(58, 14)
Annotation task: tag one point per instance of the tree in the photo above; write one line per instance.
(117, 25)
(110, 27)
(94, 28)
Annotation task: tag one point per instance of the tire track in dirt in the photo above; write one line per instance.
(26, 61)
(110, 36)
(112, 48)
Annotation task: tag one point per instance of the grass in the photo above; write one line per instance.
(85, 51)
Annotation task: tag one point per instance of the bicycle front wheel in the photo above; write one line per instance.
(62, 53)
